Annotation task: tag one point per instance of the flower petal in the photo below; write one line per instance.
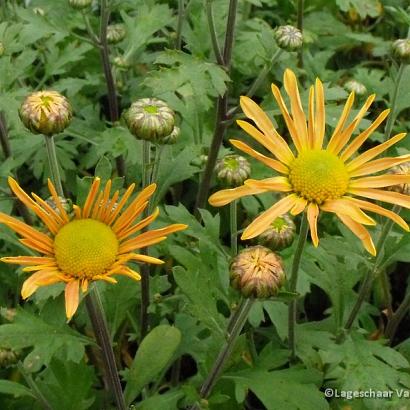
(40, 278)
(312, 215)
(262, 222)
(379, 181)
(91, 197)
(280, 184)
(360, 231)
(320, 113)
(378, 165)
(225, 196)
(72, 298)
(270, 162)
(382, 195)
(344, 207)
(300, 205)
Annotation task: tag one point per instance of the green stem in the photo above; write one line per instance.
(370, 276)
(214, 37)
(384, 279)
(180, 22)
(258, 81)
(154, 178)
(34, 388)
(397, 317)
(97, 317)
(222, 109)
(53, 163)
(300, 27)
(236, 324)
(393, 103)
(233, 219)
(146, 180)
(303, 231)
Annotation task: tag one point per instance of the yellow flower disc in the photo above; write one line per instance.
(85, 248)
(318, 175)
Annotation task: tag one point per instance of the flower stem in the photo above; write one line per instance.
(180, 22)
(303, 231)
(222, 109)
(53, 163)
(370, 276)
(236, 324)
(146, 180)
(212, 30)
(233, 219)
(97, 317)
(397, 317)
(391, 118)
(113, 109)
(300, 27)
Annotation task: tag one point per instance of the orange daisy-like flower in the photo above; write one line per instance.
(94, 244)
(318, 176)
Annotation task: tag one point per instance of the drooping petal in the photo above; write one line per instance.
(299, 207)
(225, 196)
(369, 206)
(40, 278)
(379, 181)
(299, 119)
(72, 298)
(270, 162)
(278, 146)
(362, 137)
(382, 195)
(360, 231)
(27, 260)
(373, 152)
(262, 222)
(344, 207)
(312, 215)
(378, 165)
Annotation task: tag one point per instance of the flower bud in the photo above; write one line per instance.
(288, 38)
(115, 33)
(232, 170)
(257, 271)
(80, 4)
(121, 62)
(280, 234)
(150, 119)
(353, 85)
(8, 357)
(172, 138)
(402, 169)
(46, 112)
(401, 50)
(39, 11)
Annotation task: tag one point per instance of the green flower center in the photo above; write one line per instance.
(318, 175)
(85, 248)
(151, 109)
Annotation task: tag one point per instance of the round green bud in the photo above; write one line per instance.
(279, 235)
(232, 170)
(173, 137)
(121, 62)
(353, 85)
(288, 38)
(80, 4)
(257, 272)
(46, 112)
(115, 33)
(401, 50)
(150, 119)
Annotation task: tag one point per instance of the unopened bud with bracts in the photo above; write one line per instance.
(150, 119)
(288, 38)
(46, 112)
(279, 235)
(257, 272)
(80, 4)
(232, 170)
(401, 50)
(402, 169)
(173, 137)
(355, 86)
(121, 62)
(115, 33)
(8, 357)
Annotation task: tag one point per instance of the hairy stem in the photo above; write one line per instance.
(303, 231)
(53, 163)
(233, 219)
(98, 321)
(222, 108)
(214, 37)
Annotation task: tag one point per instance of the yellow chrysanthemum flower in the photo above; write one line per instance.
(318, 176)
(93, 244)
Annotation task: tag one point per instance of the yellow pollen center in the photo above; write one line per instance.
(85, 248)
(318, 175)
